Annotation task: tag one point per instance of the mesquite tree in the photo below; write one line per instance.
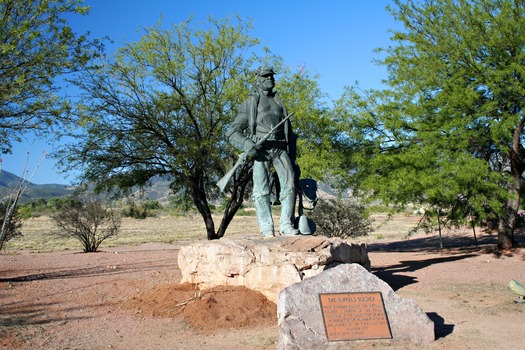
(159, 108)
(448, 129)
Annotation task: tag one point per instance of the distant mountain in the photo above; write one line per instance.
(159, 189)
(9, 181)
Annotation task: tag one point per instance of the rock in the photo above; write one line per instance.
(300, 317)
(265, 265)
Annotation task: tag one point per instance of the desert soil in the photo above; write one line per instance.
(129, 297)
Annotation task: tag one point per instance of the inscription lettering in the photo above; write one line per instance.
(350, 316)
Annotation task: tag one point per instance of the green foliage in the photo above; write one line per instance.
(447, 130)
(87, 220)
(35, 208)
(152, 205)
(338, 218)
(41, 206)
(36, 47)
(318, 155)
(57, 203)
(25, 213)
(140, 210)
(132, 210)
(181, 202)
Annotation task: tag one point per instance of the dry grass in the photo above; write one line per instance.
(38, 232)
(396, 226)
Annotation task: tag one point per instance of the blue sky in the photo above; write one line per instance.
(334, 39)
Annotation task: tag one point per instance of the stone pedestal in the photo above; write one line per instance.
(267, 266)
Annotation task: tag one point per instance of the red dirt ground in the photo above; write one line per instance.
(129, 298)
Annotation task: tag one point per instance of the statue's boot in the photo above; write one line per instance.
(287, 215)
(263, 211)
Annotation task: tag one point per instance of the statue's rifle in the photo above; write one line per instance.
(243, 157)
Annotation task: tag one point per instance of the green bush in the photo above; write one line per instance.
(25, 213)
(338, 218)
(57, 203)
(181, 202)
(34, 208)
(41, 206)
(151, 205)
(137, 210)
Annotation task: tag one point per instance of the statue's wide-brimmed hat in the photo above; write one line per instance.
(264, 70)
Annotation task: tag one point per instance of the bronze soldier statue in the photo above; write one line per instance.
(258, 116)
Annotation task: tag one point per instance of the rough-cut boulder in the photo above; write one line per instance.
(300, 317)
(267, 266)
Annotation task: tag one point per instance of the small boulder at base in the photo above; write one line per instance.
(300, 316)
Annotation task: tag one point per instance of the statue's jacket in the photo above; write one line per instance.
(244, 126)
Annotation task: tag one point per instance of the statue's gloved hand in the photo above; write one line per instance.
(250, 148)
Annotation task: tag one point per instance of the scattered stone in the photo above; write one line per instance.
(300, 317)
(267, 266)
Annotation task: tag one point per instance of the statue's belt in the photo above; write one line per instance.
(270, 144)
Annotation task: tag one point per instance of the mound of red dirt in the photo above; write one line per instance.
(220, 307)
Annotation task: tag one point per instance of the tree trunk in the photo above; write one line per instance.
(507, 220)
(236, 198)
(198, 195)
(230, 209)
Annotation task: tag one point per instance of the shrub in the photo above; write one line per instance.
(34, 208)
(25, 212)
(338, 218)
(182, 202)
(89, 221)
(57, 203)
(140, 210)
(10, 223)
(151, 205)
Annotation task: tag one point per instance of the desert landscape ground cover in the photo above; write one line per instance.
(128, 296)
